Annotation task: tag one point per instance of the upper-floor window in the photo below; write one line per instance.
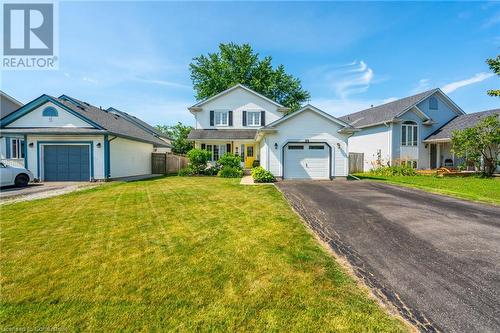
(221, 118)
(50, 112)
(433, 103)
(409, 133)
(253, 118)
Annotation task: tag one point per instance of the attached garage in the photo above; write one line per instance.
(66, 162)
(306, 160)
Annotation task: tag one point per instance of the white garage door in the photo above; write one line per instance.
(307, 161)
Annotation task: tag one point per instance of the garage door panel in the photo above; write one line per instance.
(66, 163)
(307, 161)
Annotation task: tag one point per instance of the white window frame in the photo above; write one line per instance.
(253, 118)
(221, 150)
(18, 151)
(221, 115)
(412, 163)
(409, 140)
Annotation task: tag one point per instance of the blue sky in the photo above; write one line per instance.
(135, 55)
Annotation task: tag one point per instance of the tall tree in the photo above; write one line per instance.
(479, 144)
(179, 135)
(235, 64)
(494, 64)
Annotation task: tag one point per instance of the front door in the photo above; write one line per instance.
(433, 156)
(249, 156)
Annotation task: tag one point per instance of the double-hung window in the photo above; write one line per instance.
(221, 118)
(253, 118)
(16, 148)
(409, 133)
(217, 151)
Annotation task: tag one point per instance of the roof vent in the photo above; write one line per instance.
(80, 107)
(371, 105)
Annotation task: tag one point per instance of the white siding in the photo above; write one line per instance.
(306, 126)
(98, 152)
(237, 100)
(368, 141)
(129, 158)
(36, 119)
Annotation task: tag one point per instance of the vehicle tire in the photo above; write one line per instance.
(21, 180)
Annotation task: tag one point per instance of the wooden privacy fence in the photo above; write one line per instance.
(166, 163)
(356, 162)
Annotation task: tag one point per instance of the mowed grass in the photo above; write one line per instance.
(471, 188)
(174, 254)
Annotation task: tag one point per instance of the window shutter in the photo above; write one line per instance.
(212, 115)
(244, 118)
(230, 121)
(228, 148)
(242, 153)
(262, 118)
(203, 146)
(7, 142)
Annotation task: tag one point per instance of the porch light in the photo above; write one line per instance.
(31, 145)
(98, 145)
(275, 145)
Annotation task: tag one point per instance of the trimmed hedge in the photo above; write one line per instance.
(261, 175)
(230, 172)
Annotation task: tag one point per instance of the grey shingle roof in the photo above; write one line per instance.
(112, 122)
(236, 134)
(384, 112)
(140, 122)
(459, 123)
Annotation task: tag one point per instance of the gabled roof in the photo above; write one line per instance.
(139, 123)
(5, 112)
(199, 104)
(460, 123)
(311, 108)
(388, 111)
(97, 118)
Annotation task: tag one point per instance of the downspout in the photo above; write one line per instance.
(107, 157)
(25, 151)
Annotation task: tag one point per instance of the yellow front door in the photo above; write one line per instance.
(249, 156)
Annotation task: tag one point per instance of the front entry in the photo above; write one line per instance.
(249, 156)
(433, 156)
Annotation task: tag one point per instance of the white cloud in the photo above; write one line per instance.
(89, 80)
(164, 83)
(339, 107)
(450, 87)
(345, 80)
(423, 85)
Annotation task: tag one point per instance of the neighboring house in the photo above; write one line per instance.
(11, 148)
(441, 138)
(394, 132)
(67, 139)
(306, 144)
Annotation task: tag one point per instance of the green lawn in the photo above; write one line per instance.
(183, 254)
(471, 188)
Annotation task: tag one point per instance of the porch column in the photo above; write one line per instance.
(438, 155)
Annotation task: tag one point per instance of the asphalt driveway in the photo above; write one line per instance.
(437, 259)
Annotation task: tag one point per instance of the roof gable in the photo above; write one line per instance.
(388, 111)
(310, 108)
(238, 86)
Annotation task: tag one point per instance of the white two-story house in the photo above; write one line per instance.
(397, 132)
(306, 144)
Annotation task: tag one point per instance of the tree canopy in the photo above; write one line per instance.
(494, 64)
(178, 133)
(480, 144)
(233, 64)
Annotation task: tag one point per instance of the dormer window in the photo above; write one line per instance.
(253, 118)
(433, 103)
(50, 112)
(221, 118)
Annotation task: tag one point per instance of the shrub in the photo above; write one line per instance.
(230, 172)
(212, 170)
(395, 170)
(229, 160)
(198, 160)
(261, 175)
(255, 163)
(187, 171)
